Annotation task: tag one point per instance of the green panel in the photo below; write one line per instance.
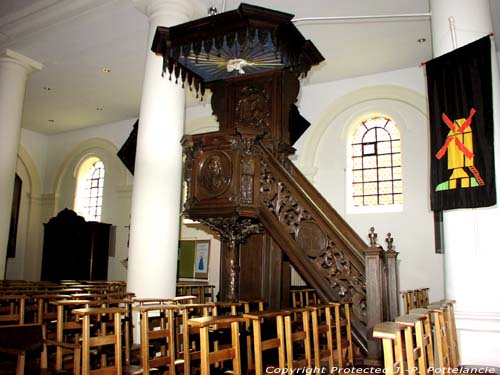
(186, 258)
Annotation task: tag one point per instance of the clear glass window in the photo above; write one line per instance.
(376, 164)
(90, 188)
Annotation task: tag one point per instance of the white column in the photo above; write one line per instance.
(154, 231)
(472, 253)
(14, 71)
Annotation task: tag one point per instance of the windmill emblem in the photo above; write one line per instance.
(460, 149)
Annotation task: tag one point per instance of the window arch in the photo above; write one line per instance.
(376, 167)
(90, 188)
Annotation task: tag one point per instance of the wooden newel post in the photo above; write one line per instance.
(392, 279)
(374, 295)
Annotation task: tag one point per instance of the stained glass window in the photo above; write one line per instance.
(376, 163)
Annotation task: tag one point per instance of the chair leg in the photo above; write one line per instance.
(21, 361)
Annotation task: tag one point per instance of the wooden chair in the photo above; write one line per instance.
(441, 336)
(390, 334)
(227, 308)
(428, 340)
(423, 297)
(298, 299)
(68, 332)
(220, 309)
(232, 353)
(98, 338)
(310, 297)
(126, 324)
(343, 334)
(12, 308)
(253, 305)
(276, 342)
(408, 301)
(415, 298)
(248, 307)
(188, 336)
(47, 317)
(20, 339)
(158, 340)
(183, 299)
(152, 301)
(298, 338)
(208, 293)
(414, 343)
(322, 332)
(449, 319)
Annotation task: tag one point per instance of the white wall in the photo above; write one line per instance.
(37, 145)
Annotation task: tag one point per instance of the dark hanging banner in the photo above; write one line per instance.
(459, 86)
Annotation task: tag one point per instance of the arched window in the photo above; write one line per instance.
(376, 164)
(89, 190)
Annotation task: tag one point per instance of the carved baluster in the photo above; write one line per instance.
(392, 279)
(230, 271)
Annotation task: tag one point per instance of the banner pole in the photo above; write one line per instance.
(453, 32)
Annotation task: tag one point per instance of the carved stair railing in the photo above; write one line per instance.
(321, 246)
(327, 253)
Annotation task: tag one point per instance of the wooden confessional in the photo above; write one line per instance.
(75, 249)
(241, 182)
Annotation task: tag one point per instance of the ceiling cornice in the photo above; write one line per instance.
(41, 14)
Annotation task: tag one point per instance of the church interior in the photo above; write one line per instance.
(209, 186)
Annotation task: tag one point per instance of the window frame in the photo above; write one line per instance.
(351, 171)
(87, 183)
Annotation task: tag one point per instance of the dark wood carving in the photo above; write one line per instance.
(234, 230)
(253, 109)
(343, 272)
(215, 174)
(259, 104)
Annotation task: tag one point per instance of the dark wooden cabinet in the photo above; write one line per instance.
(75, 249)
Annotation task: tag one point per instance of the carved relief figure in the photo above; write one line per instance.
(214, 174)
(253, 109)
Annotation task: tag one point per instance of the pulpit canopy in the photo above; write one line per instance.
(247, 40)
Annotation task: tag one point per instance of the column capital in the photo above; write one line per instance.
(10, 56)
(178, 9)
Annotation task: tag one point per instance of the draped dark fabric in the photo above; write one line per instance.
(459, 87)
(127, 152)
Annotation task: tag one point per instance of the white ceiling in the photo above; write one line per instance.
(76, 39)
